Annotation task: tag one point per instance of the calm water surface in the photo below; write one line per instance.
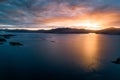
(60, 57)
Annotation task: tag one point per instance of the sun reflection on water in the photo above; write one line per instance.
(90, 51)
(88, 54)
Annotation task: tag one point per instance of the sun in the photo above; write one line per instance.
(89, 24)
(92, 26)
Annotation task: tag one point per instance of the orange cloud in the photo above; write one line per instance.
(104, 19)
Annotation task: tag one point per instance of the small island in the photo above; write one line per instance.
(2, 40)
(117, 61)
(5, 37)
(15, 43)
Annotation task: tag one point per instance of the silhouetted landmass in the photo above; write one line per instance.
(109, 31)
(2, 40)
(117, 61)
(23, 31)
(67, 30)
(6, 36)
(15, 43)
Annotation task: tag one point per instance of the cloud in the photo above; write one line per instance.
(59, 12)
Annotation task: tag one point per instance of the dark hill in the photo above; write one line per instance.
(110, 31)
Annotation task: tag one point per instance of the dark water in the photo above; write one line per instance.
(60, 57)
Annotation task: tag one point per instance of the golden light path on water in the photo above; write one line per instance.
(87, 52)
(90, 47)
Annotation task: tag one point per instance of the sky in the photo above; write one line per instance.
(59, 13)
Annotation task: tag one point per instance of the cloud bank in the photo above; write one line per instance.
(58, 13)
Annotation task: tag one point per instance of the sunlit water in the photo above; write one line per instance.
(60, 57)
